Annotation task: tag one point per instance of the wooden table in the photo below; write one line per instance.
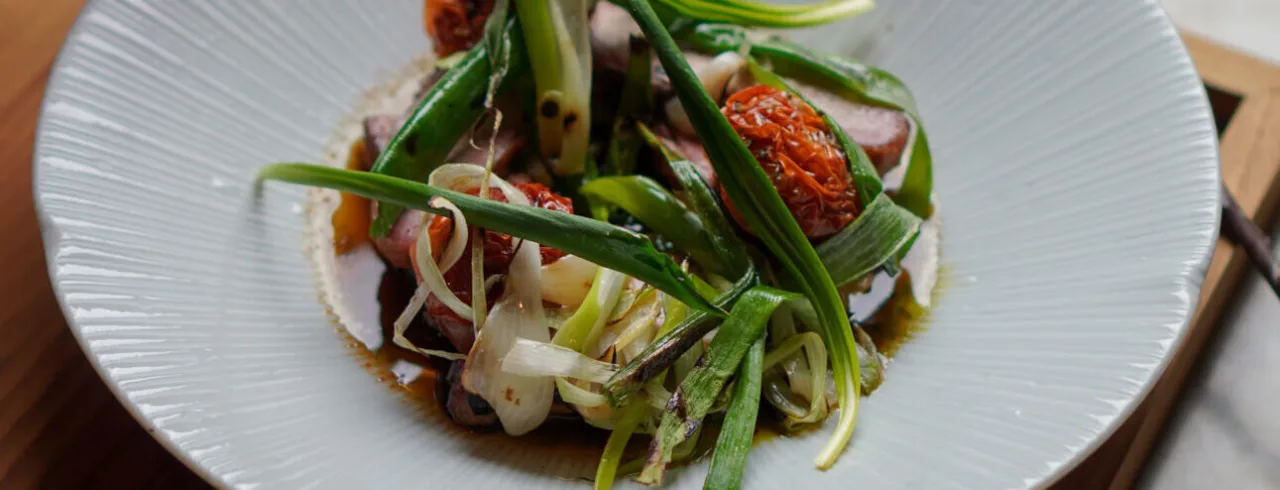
(61, 428)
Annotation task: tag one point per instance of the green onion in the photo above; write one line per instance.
(590, 317)
(747, 186)
(609, 246)
(627, 423)
(751, 13)
(878, 236)
(636, 104)
(560, 52)
(445, 115)
(729, 461)
(703, 199)
(669, 346)
(659, 210)
(700, 389)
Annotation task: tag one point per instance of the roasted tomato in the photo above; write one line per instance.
(455, 25)
(498, 252)
(800, 155)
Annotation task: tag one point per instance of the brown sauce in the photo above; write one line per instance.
(351, 219)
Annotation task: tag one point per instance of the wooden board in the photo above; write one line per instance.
(1246, 97)
(61, 428)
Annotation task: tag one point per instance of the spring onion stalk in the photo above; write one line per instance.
(610, 246)
(636, 104)
(631, 332)
(661, 211)
(560, 52)
(530, 358)
(729, 461)
(763, 209)
(683, 452)
(760, 14)
(669, 346)
(594, 312)
(568, 281)
(627, 423)
(521, 402)
(814, 386)
(579, 396)
(447, 112)
(700, 390)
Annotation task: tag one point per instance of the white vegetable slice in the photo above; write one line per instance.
(531, 358)
(567, 281)
(522, 402)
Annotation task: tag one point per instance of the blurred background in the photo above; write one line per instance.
(60, 427)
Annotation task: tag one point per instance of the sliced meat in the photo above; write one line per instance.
(464, 408)
(881, 132)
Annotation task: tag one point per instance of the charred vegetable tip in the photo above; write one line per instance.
(762, 208)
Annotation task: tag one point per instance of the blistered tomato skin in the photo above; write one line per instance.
(498, 252)
(800, 155)
(455, 25)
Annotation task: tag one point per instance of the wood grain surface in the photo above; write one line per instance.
(60, 427)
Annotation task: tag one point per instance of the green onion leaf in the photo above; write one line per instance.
(445, 115)
(880, 234)
(703, 199)
(750, 189)
(661, 211)
(729, 461)
(753, 13)
(609, 246)
(627, 424)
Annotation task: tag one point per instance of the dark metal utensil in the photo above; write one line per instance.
(1244, 233)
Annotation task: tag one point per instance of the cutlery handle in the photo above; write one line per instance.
(1244, 233)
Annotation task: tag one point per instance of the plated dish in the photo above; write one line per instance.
(644, 235)
(1076, 174)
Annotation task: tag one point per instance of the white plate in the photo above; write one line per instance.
(1075, 156)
